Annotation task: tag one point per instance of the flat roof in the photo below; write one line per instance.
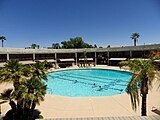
(51, 51)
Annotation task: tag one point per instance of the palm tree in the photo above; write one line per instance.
(33, 46)
(9, 96)
(135, 37)
(12, 72)
(38, 71)
(29, 89)
(2, 38)
(29, 93)
(144, 72)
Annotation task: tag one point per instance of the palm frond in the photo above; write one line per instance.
(123, 64)
(39, 71)
(144, 72)
(135, 65)
(154, 55)
(132, 90)
(135, 36)
(31, 90)
(7, 94)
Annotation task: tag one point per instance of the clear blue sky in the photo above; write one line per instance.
(101, 22)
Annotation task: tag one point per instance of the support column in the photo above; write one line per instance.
(130, 54)
(76, 58)
(34, 57)
(95, 59)
(55, 57)
(7, 56)
(108, 58)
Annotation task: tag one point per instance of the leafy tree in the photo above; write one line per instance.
(135, 37)
(76, 42)
(56, 46)
(95, 46)
(2, 38)
(144, 72)
(34, 46)
(64, 44)
(108, 46)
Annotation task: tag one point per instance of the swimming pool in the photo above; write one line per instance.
(87, 82)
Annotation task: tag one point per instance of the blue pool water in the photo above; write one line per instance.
(76, 83)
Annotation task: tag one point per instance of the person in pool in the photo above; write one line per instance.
(75, 81)
(94, 85)
(100, 88)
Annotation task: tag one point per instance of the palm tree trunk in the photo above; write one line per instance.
(143, 109)
(13, 105)
(20, 109)
(2, 43)
(33, 107)
(16, 82)
(144, 92)
(31, 116)
(135, 42)
(14, 109)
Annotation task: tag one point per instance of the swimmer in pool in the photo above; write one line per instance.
(75, 81)
(100, 88)
(94, 85)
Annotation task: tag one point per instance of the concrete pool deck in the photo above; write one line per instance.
(56, 106)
